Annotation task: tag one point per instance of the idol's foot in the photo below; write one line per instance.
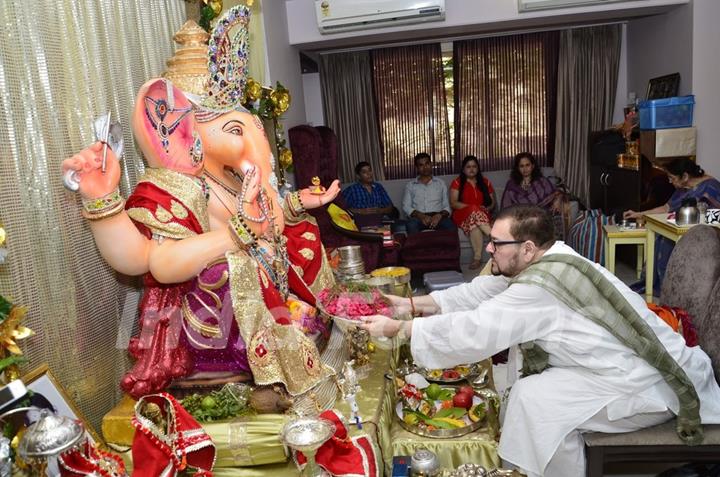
(157, 365)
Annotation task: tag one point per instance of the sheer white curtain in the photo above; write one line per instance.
(62, 63)
(587, 80)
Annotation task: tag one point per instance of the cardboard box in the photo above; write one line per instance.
(661, 143)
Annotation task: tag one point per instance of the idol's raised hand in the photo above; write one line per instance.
(85, 168)
(313, 201)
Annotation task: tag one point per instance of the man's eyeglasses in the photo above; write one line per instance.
(499, 243)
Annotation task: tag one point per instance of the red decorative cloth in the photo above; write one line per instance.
(679, 320)
(182, 444)
(344, 456)
(88, 460)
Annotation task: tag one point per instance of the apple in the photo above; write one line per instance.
(463, 400)
(465, 389)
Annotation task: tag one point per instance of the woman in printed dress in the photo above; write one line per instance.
(471, 198)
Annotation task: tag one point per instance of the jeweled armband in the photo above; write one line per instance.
(103, 207)
(294, 205)
(241, 234)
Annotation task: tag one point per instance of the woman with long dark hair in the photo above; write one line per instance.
(527, 185)
(471, 198)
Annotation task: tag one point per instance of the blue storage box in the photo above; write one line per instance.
(667, 112)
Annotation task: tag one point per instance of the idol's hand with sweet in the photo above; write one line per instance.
(316, 196)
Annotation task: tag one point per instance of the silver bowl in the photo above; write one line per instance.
(306, 435)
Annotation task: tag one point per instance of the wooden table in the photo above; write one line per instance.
(616, 235)
(658, 224)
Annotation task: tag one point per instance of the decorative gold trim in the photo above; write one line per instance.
(325, 277)
(170, 230)
(196, 323)
(309, 236)
(178, 210)
(162, 214)
(286, 344)
(44, 370)
(186, 189)
(210, 288)
(307, 253)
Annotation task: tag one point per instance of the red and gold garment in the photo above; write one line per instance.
(204, 324)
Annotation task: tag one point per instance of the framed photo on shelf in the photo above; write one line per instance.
(41, 381)
(663, 86)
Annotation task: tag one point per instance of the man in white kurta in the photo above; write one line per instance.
(594, 383)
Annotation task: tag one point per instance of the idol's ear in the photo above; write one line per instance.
(164, 126)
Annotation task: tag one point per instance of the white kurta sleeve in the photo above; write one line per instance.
(520, 313)
(468, 296)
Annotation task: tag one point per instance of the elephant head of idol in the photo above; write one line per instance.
(220, 133)
(231, 135)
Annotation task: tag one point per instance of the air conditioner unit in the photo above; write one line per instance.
(346, 15)
(532, 5)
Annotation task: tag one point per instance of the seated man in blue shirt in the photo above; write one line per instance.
(426, 200)
(367, 197)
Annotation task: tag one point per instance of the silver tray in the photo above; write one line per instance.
(474, 371)
(444, 433)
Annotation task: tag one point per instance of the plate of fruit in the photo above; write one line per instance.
(450, 375)
(438, 411)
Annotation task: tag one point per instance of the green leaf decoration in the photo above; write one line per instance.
(5, 307)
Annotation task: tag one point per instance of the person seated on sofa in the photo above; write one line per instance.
(690, 181)
(425, 201)
(471, 198)
(527, 185)
(365, 196)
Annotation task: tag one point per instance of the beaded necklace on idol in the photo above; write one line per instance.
(276, 264)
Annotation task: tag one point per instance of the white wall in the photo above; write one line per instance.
(314, 115)
(685, 40)
(462, 17)
(661, 45)
(706, 81)
(283, 60)
(621, 95)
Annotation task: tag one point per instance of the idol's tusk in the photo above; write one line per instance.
(106, 136)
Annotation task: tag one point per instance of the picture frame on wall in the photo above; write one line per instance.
(663, 87)
(41, 381)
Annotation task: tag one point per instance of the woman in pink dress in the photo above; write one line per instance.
(471, 198)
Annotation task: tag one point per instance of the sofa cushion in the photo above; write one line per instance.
(691, 283)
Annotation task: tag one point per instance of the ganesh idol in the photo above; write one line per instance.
(225, 259)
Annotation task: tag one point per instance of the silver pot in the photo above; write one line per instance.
(424, 463)
(687, 215)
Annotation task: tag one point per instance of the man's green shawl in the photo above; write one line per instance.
(583, 288)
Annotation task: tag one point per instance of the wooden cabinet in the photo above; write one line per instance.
(613, 189)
